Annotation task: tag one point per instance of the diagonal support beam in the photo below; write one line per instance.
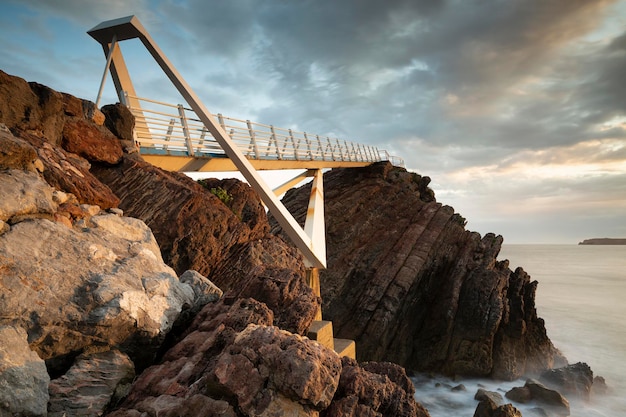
(130, 28)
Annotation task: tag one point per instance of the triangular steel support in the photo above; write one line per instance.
(310, 240)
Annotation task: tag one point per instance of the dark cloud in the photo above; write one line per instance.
(458, 88)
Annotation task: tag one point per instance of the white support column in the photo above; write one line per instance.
(314, 225)
(106, 69)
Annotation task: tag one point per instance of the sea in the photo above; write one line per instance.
(582, 298)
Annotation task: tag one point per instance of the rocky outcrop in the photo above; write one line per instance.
(374, 389)
(233, 353)
(195, 230)
(534, 391)
(91, 301)
(411, 285)
(576, 380)
(603, 241)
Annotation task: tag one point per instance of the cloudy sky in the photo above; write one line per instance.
(515, 108)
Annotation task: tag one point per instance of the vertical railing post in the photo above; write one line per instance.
(308, 145)
(273, 138)
(295, 147)
(186, 134)
(253, 140)
(340, 150)
(321, 148)
(169, 133)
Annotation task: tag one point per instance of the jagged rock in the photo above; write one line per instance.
(302, 371)
(245, 202)
(92, 142)
(31, 107)
(195, 230)
(16, 153)
(409, 284)
(576, 379)
(373, 392)
(23, 376)
(119, 120)
(519, 394)
(232, 352)
(488, 408)
(599, 385)
(204, 290)
(551, 399)
(270, 271)
(102, 284)
(95, 382)
(482, 394)
(506, 410)
(71, 173)
(24, 194)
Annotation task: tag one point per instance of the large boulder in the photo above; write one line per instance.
(409, 284)
(101, 282)
(92, 142)
(31, 107)
(70, 173)
(23, 376)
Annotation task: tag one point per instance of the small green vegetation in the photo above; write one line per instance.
(222, 194)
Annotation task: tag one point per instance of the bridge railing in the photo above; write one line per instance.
(175, 129)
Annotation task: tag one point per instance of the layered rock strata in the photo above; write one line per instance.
(409, 284)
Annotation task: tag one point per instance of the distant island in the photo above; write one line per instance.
(603, 241)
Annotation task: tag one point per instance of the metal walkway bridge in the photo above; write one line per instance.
(188, 138)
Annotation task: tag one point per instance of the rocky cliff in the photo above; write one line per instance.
(410, 284)
(105, 308)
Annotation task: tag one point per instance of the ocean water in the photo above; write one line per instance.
(582, 297)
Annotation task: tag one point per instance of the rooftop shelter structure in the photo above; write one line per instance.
(189, 138)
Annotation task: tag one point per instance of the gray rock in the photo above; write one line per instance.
(24, 193)
(204, 290)
(551, 399)
(23, 376)
(94, 382)
(482, 394)
(101, 285)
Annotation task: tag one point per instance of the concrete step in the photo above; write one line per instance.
(322, 331)
(345, 347)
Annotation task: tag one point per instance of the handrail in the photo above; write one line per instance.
(176, 128)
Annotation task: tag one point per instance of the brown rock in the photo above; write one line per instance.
(71, 173)
(194, 229)
(576, 379)
(483, 394)
(232, 352)
(365, 393)
(16, 153)
(409, 284)
(519, 394)
(92, 142)
(119, 120)
(72, 106)
(506, 410)
(551, 399)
